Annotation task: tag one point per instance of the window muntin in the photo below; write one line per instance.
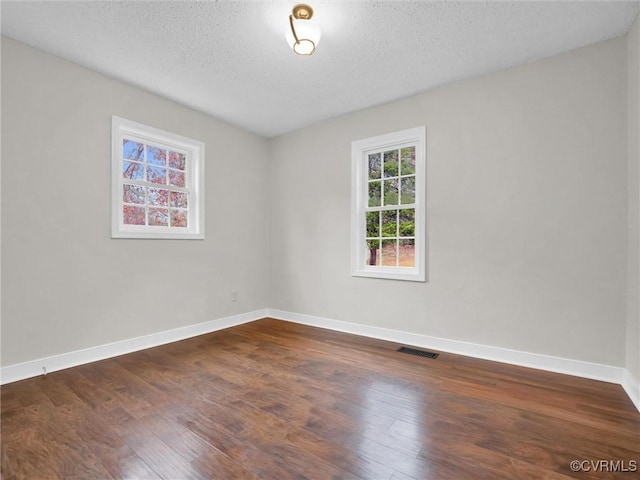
(388, 206)
(157, 183)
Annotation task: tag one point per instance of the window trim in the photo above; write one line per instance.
(121, 128)
(359, 200)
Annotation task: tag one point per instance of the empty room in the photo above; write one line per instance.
(368, 240)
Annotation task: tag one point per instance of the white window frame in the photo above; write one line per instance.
(194, 186)
(360, 150)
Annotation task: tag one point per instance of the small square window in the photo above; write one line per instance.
(157, 183)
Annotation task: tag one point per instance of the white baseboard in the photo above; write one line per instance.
(607, 373)
(577, 368)
(33, 368)
(632, 387)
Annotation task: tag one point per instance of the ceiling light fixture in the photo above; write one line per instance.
(304, 35)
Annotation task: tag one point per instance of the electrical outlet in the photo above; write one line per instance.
(235, 295)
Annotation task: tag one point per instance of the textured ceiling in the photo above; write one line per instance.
(230, 59)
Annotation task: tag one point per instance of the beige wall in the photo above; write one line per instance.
(67, 284)
(632, 361)
(526, 212)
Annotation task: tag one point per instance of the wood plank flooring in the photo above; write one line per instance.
(276, 400)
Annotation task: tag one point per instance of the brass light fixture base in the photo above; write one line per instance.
(302, 12)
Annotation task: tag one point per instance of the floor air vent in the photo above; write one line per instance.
(420, 353)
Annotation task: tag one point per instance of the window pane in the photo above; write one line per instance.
(134, 171)
(391, 163)
(132, 150)
(132, 194)
(159, 217)
(373, 224)
(389, 223)
(133, 215)
(407, 253)
(157, 175)
(374, 194)
(408, 190)
(176, 178)
(408, 161)
(178, 218)
(177, 160)
(389, 254)
(373, 253)
(407, 222)
(156, 156)
(159, 197)
(179, 199)
(391, 191)
(374, 166)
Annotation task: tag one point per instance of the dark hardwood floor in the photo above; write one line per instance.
(275, 400)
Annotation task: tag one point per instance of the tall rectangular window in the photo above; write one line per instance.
(157, 183)
(388, 206)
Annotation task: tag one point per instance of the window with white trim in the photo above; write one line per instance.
(388, 206)
(157, 183)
